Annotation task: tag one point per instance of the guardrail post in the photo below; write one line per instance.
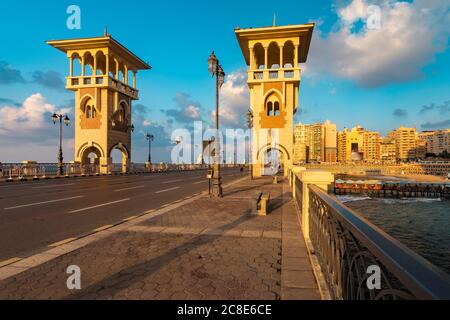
(323, 180)
(293, 171)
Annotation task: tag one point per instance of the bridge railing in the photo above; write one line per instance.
(349, 248)
(42, 170)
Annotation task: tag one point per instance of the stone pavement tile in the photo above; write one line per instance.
(252, 233)
(298, 279)
(272, 234)
(299, 294)
(295, 252)
(299, 264)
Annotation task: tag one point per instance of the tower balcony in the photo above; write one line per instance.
(101, 81)
(270, 75)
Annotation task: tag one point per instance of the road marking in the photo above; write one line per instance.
(198, 182)
(54, 185)
(166, 190)
(103, 228)
(172, 181)
(43, 202)
(99, 205)
(130, 218)
(9, 261)
(131, 188)
(57, 244)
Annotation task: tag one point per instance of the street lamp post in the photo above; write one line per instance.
(178, 140)
(216, 69)
(150, 138)
(250, 126)
(66, 120)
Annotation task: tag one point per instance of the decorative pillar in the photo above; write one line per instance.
(281, 57)
(295, 56)
(322, 179)
(134, 79)
(252, 59)
(82, 65)
(94, 73)
(125, 76)
(107, 65)
(71, 67)
(117, 68)
(266, 57)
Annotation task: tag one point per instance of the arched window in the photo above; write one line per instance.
(88, 112)
(273, 56)
(269, 108)
(89, 109)
(94, 112)
(276, 108)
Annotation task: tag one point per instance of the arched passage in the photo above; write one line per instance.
(90, 159)
(120, 158)
(272, 159)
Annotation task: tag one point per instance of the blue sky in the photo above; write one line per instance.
(379, 78)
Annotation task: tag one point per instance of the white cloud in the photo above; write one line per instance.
(31, 116)
(234, 100)
(410, 36)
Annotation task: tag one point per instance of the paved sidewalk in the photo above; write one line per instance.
(204, 249)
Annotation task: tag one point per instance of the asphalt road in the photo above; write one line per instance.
(35, 215)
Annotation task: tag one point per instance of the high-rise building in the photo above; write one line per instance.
(387, 150)
(351, 144)
(315, 142)
(406, 142)
(437, 141)
(371, 146)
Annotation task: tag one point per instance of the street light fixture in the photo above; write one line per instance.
(61, 118)
(250, 126)
(150, 138)
(215, 68)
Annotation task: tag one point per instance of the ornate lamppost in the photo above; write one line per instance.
(66, 120)
(150, 138)
(216, 69)
(250, 126)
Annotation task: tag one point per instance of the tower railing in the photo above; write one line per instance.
(274, 74)
(76, 82)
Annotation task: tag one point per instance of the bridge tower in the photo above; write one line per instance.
(273, 55)
(104, 87)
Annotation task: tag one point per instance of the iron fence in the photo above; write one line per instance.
(347, 245)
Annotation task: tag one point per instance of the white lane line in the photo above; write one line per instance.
(172, 181)
(43, 202)
(54, 185)
(99, 205)
(166, 190)
(131, 188)
(198, 182)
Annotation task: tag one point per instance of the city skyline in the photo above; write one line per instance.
(405, 85)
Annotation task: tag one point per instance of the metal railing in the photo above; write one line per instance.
(13, 171)
(346, 245)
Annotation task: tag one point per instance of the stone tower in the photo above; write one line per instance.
(273, 55)
(104, 87)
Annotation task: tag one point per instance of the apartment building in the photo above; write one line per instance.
(315, 142)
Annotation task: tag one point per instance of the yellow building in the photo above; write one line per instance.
(388, 150)
(359, 144)
(104, 91)
(371, 146)
(315, 142)
(405, 143)
(437, 141)
(272, 55)
(351, 144)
